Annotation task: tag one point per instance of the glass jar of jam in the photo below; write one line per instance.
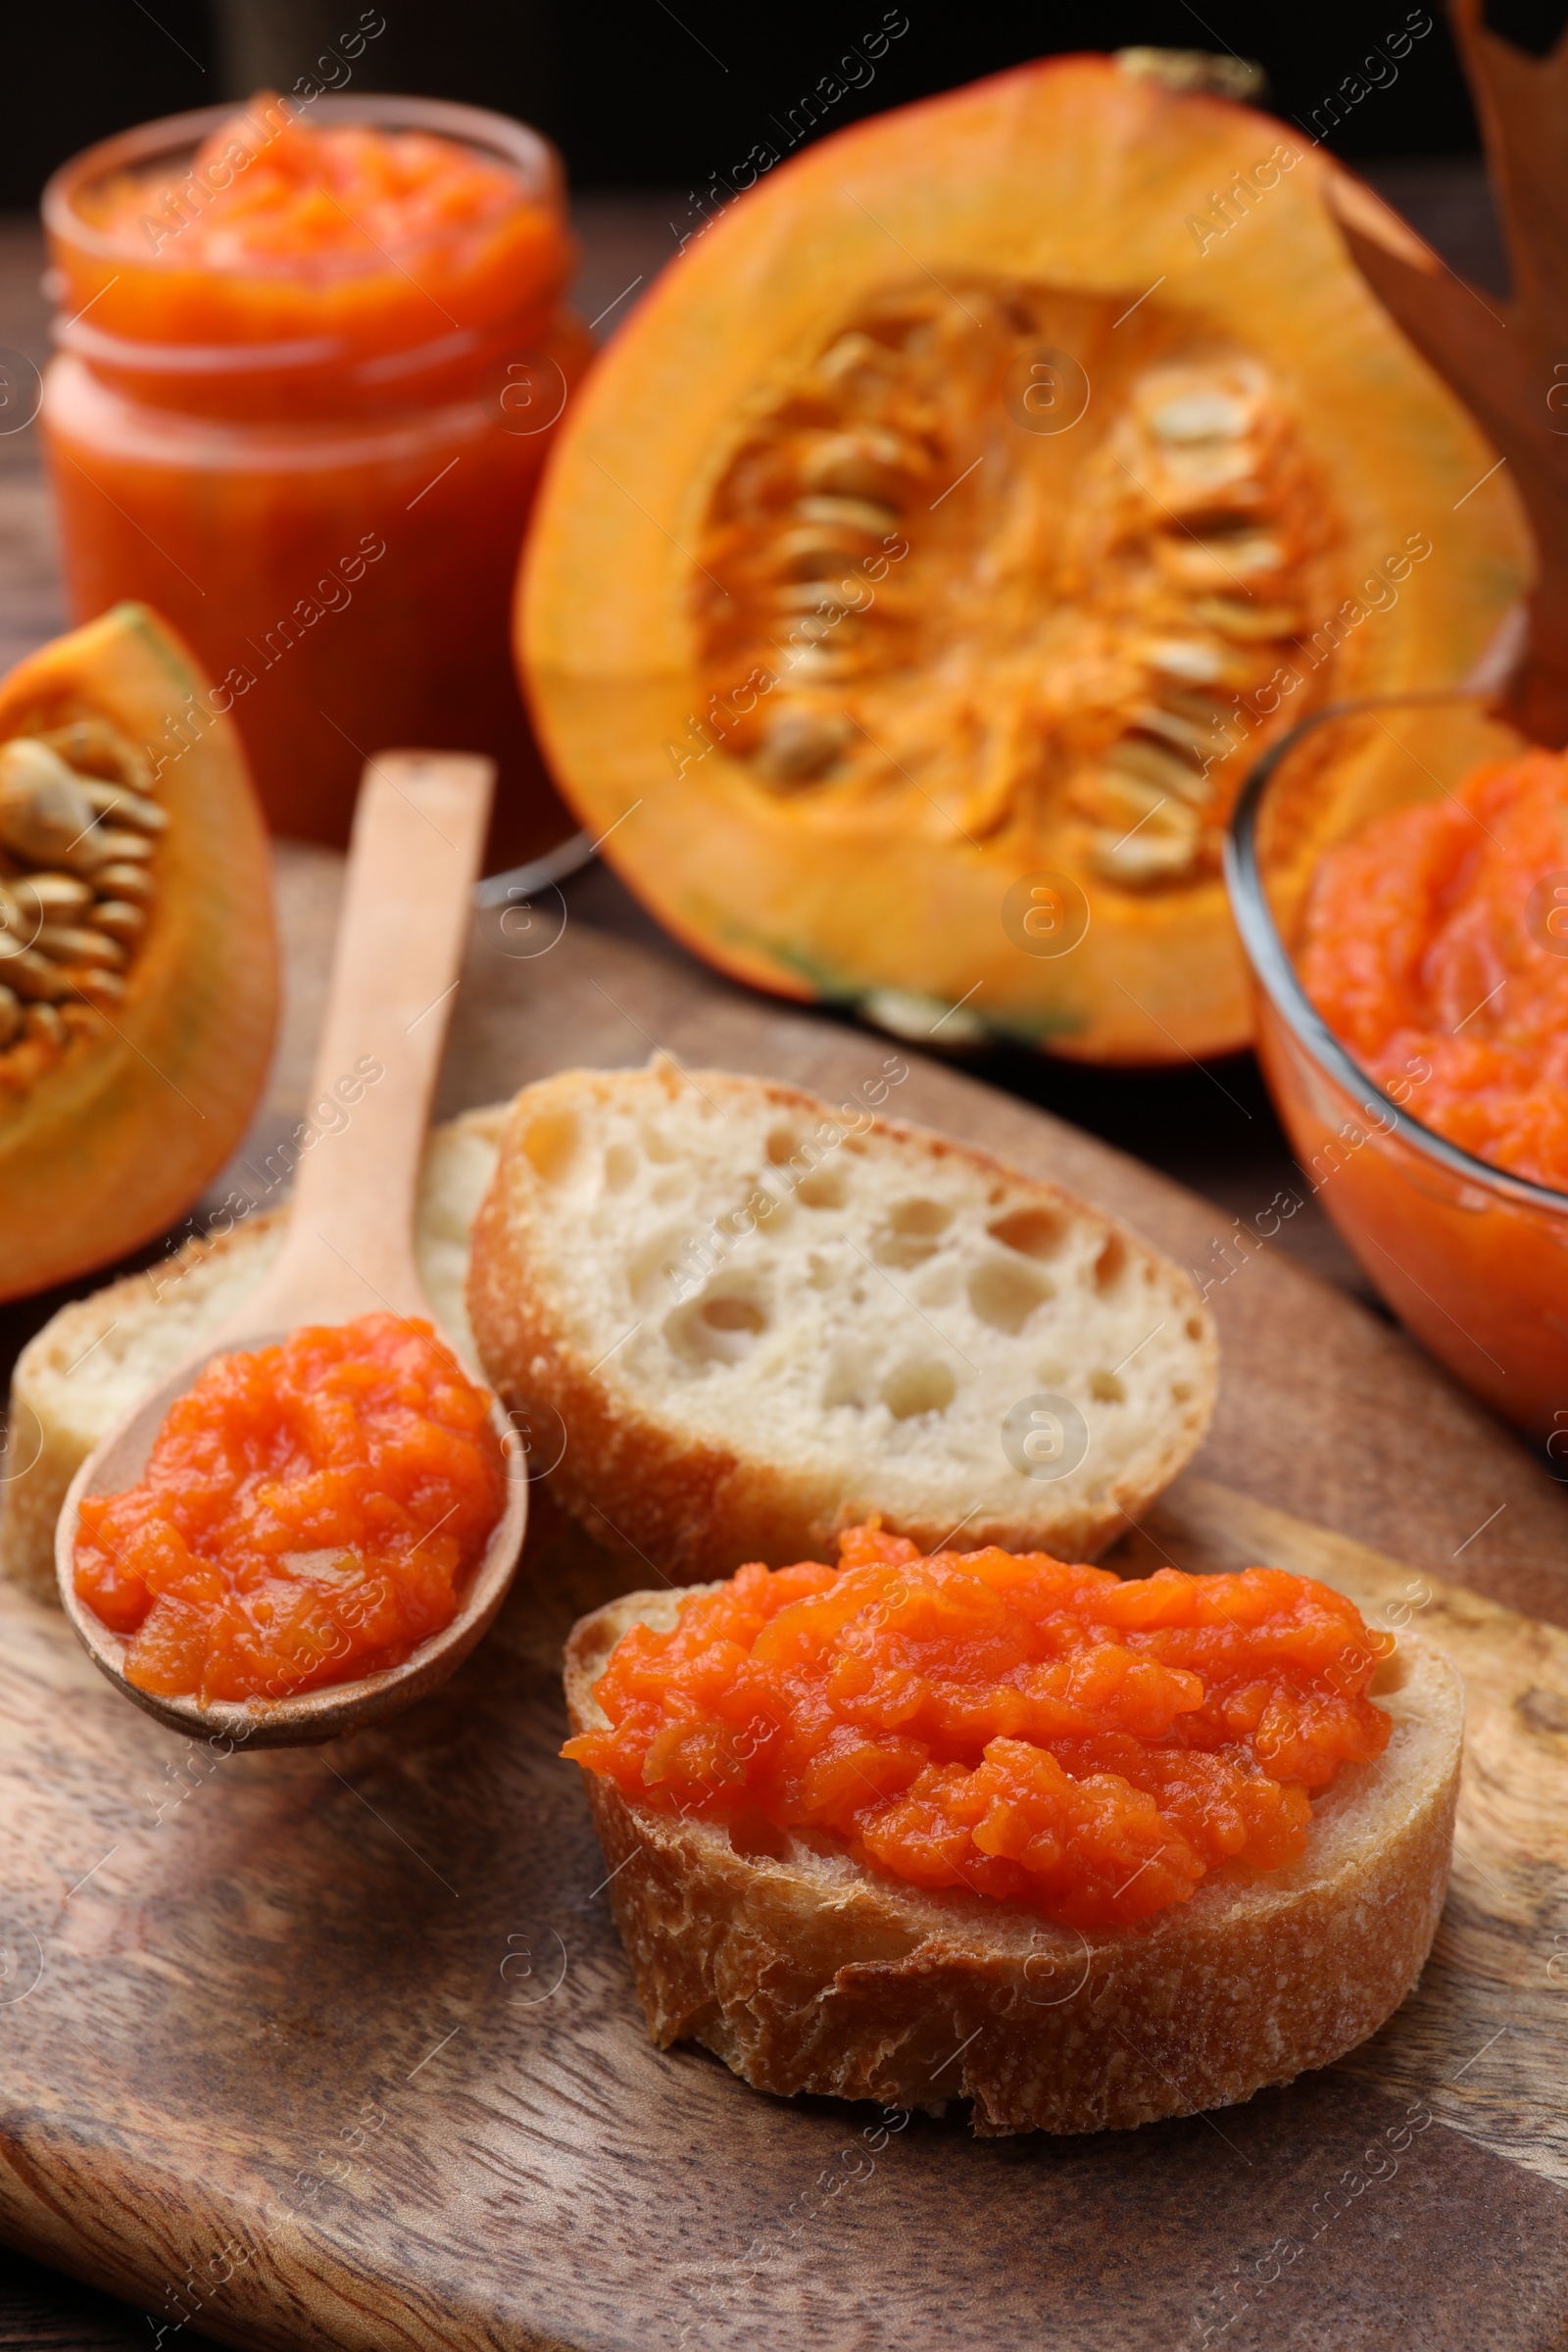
(307, 371)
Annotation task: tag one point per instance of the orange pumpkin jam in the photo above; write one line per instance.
(1437, 933)
(307, 1515)
(1012, 1725)
(272, 190)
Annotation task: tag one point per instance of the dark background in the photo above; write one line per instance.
(641, 94)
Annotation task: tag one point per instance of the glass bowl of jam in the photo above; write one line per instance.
(1405, 920)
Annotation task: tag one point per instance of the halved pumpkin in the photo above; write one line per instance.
(138, 959)
(924, 562)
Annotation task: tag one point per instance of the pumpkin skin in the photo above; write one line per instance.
(114, 1141)
(884, 881)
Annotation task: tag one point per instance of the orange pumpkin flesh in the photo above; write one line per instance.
(114, 1114)
(923, 565)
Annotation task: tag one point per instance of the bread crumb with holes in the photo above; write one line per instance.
(762, 1320)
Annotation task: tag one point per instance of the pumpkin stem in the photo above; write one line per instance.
(1501, 357)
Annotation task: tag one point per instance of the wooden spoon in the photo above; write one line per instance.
(348, 1245)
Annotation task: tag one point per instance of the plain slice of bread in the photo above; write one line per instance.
(805, 1973)
(85, 1370)
(761, 1320)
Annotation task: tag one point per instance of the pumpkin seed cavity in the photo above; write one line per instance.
(1007, 618)
(79, 838)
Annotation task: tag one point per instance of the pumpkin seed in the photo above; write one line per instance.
(68, 943)
(45, 815)
(123, 881)
(1199, 416)
(120, 919)
(1146, 857)
(853, 350)
(67, 927)
(1186, 658)
(1243, 621)
(109, 847)
(1213, 465)
(1155, 766)
(905, 1014)
(805, 596)
(131, 807)
(852, 513)
(31, 974)
(818, 664)
(45, 896)
(858, 464)
(801, 745)
(812, 549)
(94, 748)
(1127, 798)
(1204, 563)
(108, 987)
(1176, 726)
(45, 1021)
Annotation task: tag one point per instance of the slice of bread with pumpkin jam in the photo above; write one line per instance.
(805, 1971)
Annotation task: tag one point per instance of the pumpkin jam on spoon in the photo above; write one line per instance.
(214, 1450)
(308, 1515)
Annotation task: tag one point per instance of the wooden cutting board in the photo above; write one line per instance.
(338, 2047)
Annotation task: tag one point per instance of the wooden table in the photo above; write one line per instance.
(1212, 1130)
(221, 1995)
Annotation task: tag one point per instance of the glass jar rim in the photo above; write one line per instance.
(528, 152)
(1276, 974)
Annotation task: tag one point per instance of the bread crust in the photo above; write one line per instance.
(686, 1505)
(805, 1973)
(44, 1450)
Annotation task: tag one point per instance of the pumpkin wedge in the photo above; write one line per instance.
(923, 565)
(138, 961)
